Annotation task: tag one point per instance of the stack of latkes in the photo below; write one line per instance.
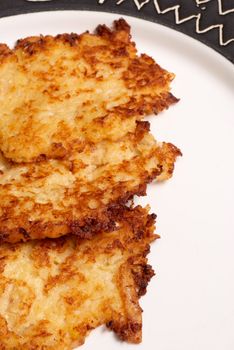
(74, 152)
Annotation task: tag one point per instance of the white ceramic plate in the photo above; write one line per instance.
(190, 304)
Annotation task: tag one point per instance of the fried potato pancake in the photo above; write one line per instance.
(55, 197)
(55, 291)
(59, 93)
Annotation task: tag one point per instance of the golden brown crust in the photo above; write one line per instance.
(77, 150)
(78, 195)
(59, 94)
(5, 52)
(94, 282)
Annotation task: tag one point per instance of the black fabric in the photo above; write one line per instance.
(206, 13)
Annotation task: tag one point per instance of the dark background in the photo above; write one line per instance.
(209, 15)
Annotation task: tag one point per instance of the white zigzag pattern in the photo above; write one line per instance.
(220, 6)
(138, 5)
(179, 20)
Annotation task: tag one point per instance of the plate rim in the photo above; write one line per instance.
(33, 6)
(213, 53)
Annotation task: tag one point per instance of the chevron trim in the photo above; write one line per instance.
(179, 20)
(220, 6)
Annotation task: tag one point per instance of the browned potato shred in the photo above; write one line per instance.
(57, 197)
(60, 93)
(54, 292)
(74, 150)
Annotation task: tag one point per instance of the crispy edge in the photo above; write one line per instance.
(133, 278)
(97, 221)
(31, 45)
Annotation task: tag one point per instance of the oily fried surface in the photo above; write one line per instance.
(55, 291)
(61, 93)
(55, 197)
